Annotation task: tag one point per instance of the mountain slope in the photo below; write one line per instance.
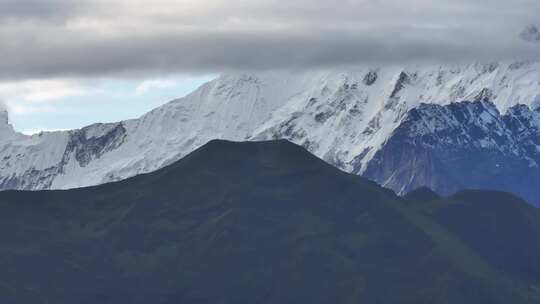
(463, 145)
(500, 235)
(237, 223)
(344, 117)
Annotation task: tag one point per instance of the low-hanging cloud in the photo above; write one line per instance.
(49, 10)
(89, 38)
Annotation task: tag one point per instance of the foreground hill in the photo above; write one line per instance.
(498, 226)
(346, 117)
(235, 223)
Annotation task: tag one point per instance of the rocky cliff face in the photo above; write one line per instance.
(463, 145)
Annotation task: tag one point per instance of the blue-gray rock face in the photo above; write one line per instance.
(463, 145)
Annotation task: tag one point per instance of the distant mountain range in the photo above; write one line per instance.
(463, 145)
(265, 222)
(355, 120)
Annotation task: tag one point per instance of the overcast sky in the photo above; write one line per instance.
(60, 53)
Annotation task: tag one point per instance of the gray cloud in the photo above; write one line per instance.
(47, 10)
(3, 107)
(531, 33)
(88, 38)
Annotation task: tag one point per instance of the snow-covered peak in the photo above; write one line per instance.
(473, 123)
(520, 110)
(476, 124)
(342, 116)
(525, 121)
(462, 145)
(535, 105)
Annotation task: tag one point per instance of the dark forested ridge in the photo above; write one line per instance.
(264, 222)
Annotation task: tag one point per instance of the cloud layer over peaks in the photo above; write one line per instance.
(89, 38)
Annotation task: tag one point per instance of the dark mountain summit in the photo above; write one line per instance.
(235, 223)
(422, 194)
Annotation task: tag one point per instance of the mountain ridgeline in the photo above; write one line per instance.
(264, 222)
(463, 145)
(354, 119)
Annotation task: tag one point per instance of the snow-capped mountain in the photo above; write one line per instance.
(463, 145)
(344, 117)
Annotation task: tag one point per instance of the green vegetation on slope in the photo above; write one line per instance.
(238, 223)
